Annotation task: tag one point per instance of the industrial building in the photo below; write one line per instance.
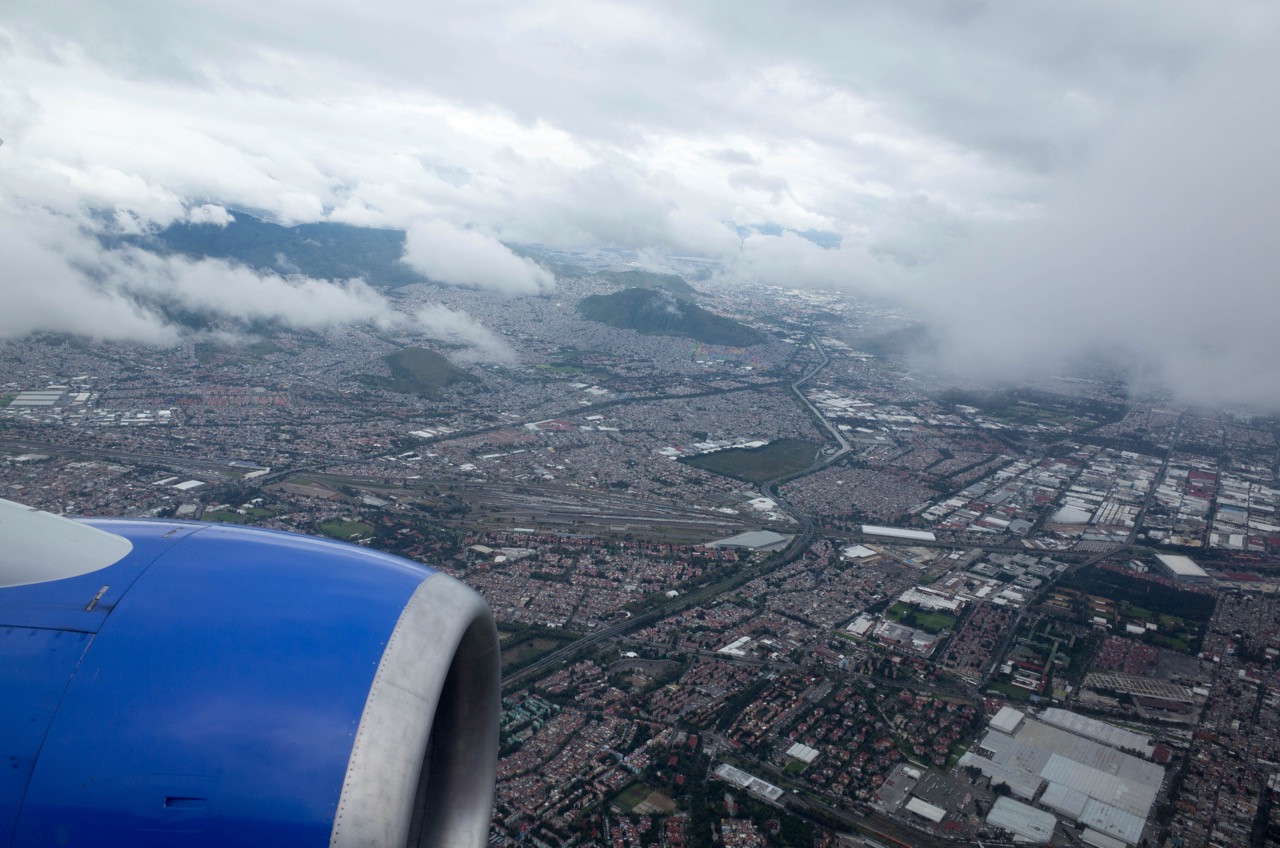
(1027, 824)
(1182, 569)
(756, 540)
(898, 533)
(803, 753)
(763, 790)
(1060, 761)
(926, 810)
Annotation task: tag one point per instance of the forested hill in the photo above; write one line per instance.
(660, 313)
(324, 250)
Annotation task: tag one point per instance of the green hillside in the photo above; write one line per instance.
(418, 371)
(660, 313)
(651, 280)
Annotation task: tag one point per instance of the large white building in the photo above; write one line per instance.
(898, 533)
(1182, 569)
(1101, 787)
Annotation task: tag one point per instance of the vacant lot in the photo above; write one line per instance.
(226, 516)
(520, 655)
(785, 456)
(629, 798)
(230, 516)
(639, 798)
(929, 622)
(346, 529)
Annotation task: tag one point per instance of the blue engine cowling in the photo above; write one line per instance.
(221, 685)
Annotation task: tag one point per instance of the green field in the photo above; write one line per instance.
(262, 348)
(226, 516)
(1173, 643)
(230, 516)
(346, 529)
(629, 798)
(929, 622)
(1180, 614)
(522, 653)
(1140, 613)
(755, 465)
(935, 622)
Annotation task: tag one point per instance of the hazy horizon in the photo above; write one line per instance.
(1037, 182)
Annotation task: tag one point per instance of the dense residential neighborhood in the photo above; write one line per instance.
(796, 593)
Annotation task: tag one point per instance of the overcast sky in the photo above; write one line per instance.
(1046, 177)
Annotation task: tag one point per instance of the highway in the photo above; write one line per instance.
(796, 548)
(692, 598)
(813, 410)
(214, 467)
(1164, 466)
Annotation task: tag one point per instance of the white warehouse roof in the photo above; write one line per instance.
(1021, 783)
(1099, 730)
(925, 809)
(1115, 792)
(1026, 823)
(1063, 799)
(1112, 821)
(1007, 720)
(1101, 840)
(898, 533)
(1071, 515)
(803, 753)
(755, 539)
(749, 782)
(1181, 566)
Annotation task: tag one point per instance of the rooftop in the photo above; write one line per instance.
(1181, 566)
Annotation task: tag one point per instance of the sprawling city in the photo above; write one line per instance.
(796, 591)
(702, 424)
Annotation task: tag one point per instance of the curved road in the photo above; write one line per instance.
(798, 545)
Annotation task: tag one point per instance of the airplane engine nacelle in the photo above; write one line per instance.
(212, 685)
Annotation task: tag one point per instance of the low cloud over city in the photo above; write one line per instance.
(62, 279)
(451, 255)
(858, 417)
(1102, 164)
(1157, 252)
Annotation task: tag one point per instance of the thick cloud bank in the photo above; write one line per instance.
(1096, 163)
(59, 278)
(209, 213)
(1162, 251)
(457, 257)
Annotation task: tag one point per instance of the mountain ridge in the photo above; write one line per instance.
(656, 312)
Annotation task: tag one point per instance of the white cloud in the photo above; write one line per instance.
(59, 278)
(384, 114)
(44, 286)
(792, 260)
(772, 185)
(1160, 251)
(209, 213)
(904, 129)
(451, 255)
